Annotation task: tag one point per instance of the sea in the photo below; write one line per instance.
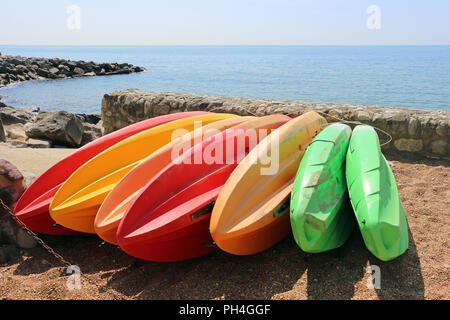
(400, 76)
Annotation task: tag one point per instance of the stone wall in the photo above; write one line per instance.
(416, 131)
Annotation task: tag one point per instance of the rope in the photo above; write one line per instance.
(325, 125)
(359, 123)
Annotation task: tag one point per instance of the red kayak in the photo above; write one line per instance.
(32, 207)
(169, 219)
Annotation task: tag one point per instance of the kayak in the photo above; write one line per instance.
(374, 196)
(321, 215)
(251, 213)
(77, 201)
(33, 207)
(118, 200)
(169, 219)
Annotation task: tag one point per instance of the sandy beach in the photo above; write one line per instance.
(282, 272)
(34, 161)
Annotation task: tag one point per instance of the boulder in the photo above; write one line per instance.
(11, 235)
(91, 118)
(38, 143)
(60, 127)
(15, 132)
(91, 132)
(54, 70)
(11, 183)
(64, 69)
(410, 145)
(78, 71)
(42, 72)
(10, 115)
(17, 144)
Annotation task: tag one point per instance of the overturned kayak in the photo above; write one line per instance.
(251, 213)
(77, 201)
(169, 219)
(119, 199)
(321, 215)
(374, 196)
(33, 207)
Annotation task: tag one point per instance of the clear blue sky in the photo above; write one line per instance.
(224, 22)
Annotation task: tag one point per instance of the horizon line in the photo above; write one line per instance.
(226, 45)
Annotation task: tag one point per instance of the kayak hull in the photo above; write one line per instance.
(119, 199)
(33, 206)
(169, 220)
(77, 201)
(374, 196)
(321, 216)
(252, 211)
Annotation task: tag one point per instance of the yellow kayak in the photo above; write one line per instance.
(76, 203)
(251, 213)
(119, 199)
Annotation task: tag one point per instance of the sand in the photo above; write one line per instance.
(34, 161)
(282, 272)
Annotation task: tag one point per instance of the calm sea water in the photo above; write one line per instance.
(401, 76)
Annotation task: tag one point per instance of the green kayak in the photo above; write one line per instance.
(321, 214)
(374, 196)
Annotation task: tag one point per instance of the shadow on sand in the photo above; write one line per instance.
(330, 275)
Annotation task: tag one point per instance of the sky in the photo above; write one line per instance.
(224, 22)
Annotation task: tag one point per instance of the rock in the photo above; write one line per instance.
(14, 69)
(38, 143)
(17, 144)
(60, 127)
(64, 69)
(413, 126)
(42, 72)
(2, 132)
(439, 147)
(11, 188)
(24, 240)
(442, 129)
(16, 132)
(411, 145)
(78, 71)
(32, 75)
(91, 118)
(53, 70)
(91, 132)
(10, 115)
(11, 183)
(28, 179)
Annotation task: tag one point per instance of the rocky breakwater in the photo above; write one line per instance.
(15, 69)
(35, 128)
(413, 131)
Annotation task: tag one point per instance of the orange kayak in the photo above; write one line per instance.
(251, 213)
(119, 199)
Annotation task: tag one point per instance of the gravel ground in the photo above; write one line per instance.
(282, 272)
